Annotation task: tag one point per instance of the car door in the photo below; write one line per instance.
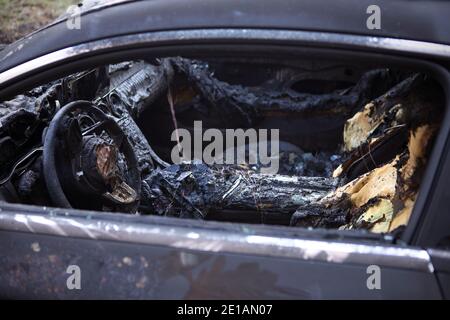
(157, 258)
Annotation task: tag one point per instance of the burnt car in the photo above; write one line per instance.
(106, 192)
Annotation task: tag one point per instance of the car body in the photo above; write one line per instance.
(160, 258)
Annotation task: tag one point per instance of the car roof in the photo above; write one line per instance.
(102, 19)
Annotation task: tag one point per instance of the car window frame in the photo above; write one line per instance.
(162, 43)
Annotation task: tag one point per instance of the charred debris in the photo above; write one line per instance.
(353, 143)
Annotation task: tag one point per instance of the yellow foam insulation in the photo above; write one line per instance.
(338, 171)
(402, 217)
(381, 213)
(379, 182)
(358, 128)
(417, 146)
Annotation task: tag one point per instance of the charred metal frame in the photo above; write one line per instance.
(210, 240)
